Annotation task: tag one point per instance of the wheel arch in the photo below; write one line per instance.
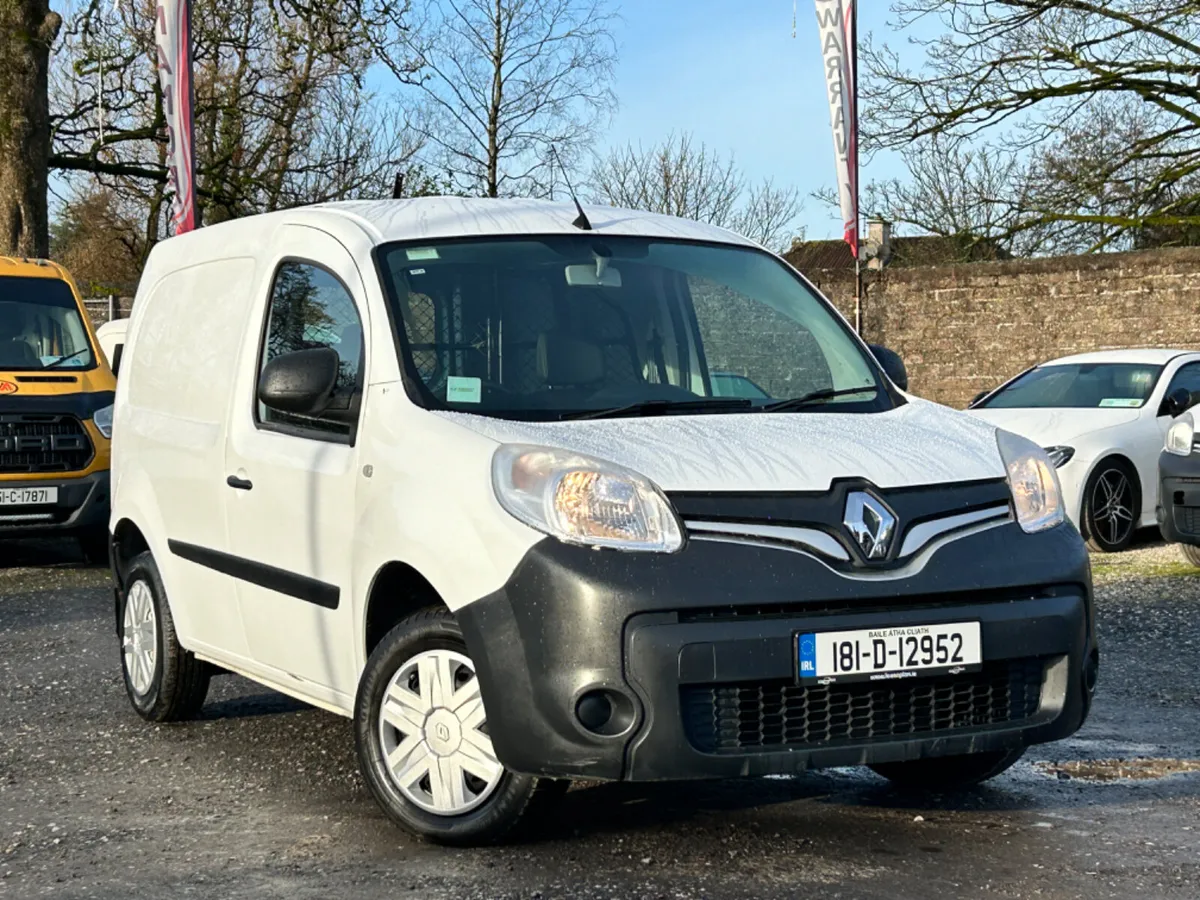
(397, 591)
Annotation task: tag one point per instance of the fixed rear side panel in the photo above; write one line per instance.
(174, 393)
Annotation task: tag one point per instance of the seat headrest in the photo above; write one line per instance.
(568, 362)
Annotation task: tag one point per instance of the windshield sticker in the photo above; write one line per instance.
(1122, 402)
(421, 253)
(463, 390)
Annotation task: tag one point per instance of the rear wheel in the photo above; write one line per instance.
(165, 682)
(422, 738)
(1191, 553)
(948, 773)
(1112, 503)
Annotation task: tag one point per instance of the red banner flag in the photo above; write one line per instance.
(173, 39)
(839, 47)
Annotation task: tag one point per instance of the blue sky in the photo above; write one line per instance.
(731, 73)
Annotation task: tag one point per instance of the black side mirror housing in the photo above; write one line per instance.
(300, 382)
(892, 365)
(977, 398)
(118, 350)
(1178, 402)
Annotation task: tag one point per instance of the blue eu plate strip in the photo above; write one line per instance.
(807, 654)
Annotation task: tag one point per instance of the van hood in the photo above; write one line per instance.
(1055, 427)
(919, 443)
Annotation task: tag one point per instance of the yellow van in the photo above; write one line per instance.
(56, 396)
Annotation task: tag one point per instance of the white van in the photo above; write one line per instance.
(456, 469)
(111, 337)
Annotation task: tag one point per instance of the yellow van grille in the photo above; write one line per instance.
(43, 443)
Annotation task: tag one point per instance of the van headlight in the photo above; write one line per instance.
(1037, 496)
(104, 420)
(582, 500)
(1180, 437)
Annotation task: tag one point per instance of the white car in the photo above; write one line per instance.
(111, 336)
(1102, 417)
(457, 469)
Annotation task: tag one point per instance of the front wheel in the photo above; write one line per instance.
(1191, 553)
(948, 773)
(422, 738)
(1112, 505)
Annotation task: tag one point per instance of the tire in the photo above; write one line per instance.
(1191, 553)
(948, 773)
(94, 544)
(165, 682)
(1112, 503)
(463, 807)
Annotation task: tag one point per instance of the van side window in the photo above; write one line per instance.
(310, 309)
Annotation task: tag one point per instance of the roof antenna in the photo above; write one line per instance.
(581, 221)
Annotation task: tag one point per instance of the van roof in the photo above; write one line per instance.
(31, 268)
(440, 218)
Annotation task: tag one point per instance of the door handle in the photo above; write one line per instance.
(242, 484)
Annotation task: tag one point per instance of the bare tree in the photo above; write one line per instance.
(1032, 74)
(281, 116)
(27, 30)
(677, 177)
(503, 81)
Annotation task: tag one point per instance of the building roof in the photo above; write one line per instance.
(1144, 356)
(924, 250)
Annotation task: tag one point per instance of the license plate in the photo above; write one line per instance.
(28, 496)
(885, 654)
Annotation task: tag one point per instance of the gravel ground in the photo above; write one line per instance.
(262, 798)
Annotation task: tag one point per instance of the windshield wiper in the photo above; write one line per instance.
(660, 407)
(816, 397)
(63, 359)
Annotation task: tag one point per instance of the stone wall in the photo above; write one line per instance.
(966, 328)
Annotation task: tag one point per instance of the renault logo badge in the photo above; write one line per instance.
(870, 524)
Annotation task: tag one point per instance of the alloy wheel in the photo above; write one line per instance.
(139, 637)
(1112, 507)
(433, 732)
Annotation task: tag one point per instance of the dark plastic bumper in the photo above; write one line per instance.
(644, 627)
(1179, 498)
(82, 503)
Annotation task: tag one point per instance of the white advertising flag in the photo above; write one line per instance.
(173, 39)
(839, 47)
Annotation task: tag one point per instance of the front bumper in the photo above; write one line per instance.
(1178, 509)
(696, 651)
(82, 503)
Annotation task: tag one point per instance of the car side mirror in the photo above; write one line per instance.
(1178, 402)
(116, 360)
(300, 382)
(977, 398)
(892, 365)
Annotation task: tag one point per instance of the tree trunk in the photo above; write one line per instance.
(493, 123)
(27, 29)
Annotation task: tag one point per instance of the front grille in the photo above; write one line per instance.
(781, 715)
(1187, 519)
(43, 443)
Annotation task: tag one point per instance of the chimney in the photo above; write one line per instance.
(879, 242)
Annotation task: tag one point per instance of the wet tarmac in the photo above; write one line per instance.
(262, 798)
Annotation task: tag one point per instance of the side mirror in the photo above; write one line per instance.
(301, 382)
(977, 398)
(116, 360)
(892, 365)
(1178, 402)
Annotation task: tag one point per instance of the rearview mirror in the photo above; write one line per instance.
(1179, 401)
(593, 276)
(893, 365)
(301, 382)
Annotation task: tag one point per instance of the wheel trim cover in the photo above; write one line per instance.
(139, 638)
(1112, 507)
(433, 748)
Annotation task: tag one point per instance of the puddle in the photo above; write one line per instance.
(1102, 770)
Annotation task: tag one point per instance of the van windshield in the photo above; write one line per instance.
(567, 326)
(40, 326)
